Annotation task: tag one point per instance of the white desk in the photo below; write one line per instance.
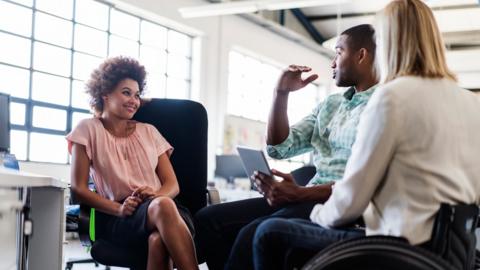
(46, 200)
(230, 195)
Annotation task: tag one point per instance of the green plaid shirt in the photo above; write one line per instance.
(329, 131)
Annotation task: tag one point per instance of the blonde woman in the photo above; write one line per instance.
(417, 146)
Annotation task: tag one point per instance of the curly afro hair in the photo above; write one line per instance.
(105, 78)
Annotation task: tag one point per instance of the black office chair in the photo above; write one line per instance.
(184, 125)
(452, 247)
(72, 224)
(304, 174)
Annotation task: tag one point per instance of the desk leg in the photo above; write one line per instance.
(10, 206)
(45, 247)
(23, 196)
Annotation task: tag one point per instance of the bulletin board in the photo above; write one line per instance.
(242, 131)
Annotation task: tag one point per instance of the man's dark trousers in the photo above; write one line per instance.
(223, 226)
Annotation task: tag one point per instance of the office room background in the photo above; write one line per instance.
(49, 48)
(228, 63)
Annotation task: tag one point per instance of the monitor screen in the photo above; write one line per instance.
(4, 123)
(229, 167)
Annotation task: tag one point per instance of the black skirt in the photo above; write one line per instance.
(132, 231)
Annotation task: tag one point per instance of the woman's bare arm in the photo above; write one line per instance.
(167, 176)
(79, 178)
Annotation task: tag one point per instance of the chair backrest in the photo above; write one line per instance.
(184, 125)
(453, 235)
(303, 175)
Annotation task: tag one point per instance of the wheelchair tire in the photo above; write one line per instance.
(376, 253)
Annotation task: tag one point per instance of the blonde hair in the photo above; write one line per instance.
(409, 42)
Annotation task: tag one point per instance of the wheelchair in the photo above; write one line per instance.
(452, 247)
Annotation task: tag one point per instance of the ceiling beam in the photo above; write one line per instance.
(281, 16)
(289, 34)
(250, 6)
(341, 15)
(352, 15)
(307, 24)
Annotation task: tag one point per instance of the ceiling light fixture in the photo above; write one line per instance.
(218, 9)
(289, 4)
(240, 7)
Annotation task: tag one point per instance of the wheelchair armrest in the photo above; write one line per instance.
(84, 225)
(213, 196)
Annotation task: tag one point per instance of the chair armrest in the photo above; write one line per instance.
(213, 196)
(84, 225)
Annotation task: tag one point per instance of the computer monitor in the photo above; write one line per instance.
(229, 167)
(4, 122)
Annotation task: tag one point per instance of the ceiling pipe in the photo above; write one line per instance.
(282, 17)
(288, 34)
(308, 25)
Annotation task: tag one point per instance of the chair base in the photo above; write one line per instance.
(70, 263)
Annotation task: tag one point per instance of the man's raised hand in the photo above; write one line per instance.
(291, 79)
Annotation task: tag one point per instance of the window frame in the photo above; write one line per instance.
(70, 109)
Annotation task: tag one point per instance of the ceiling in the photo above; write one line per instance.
(458, 21)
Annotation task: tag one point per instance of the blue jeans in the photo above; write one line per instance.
(241, 256)
(275, 238)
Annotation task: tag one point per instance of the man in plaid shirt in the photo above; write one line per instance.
(329, 131)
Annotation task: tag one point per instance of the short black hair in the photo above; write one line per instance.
(361, 36)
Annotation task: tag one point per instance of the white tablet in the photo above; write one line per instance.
(253, 160)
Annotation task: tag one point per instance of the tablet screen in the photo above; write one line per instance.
(253, 160)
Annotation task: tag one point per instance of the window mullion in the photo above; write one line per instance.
(69, 110)
(109, 33)
(29, 106)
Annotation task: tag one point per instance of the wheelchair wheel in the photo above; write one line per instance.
(376, 253)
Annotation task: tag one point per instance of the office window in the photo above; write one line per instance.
(252, 81)
(50, 47)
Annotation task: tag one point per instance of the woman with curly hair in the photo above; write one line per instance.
(129, 163)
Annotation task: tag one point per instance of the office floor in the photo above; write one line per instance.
(74, 250)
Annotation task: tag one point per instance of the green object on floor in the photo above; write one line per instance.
(92, 225)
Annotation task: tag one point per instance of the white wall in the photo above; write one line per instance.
(216, 36)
